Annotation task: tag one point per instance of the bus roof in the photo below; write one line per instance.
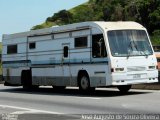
(99, 24)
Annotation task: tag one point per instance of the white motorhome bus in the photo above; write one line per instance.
(87, 55)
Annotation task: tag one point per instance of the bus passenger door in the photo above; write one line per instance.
(66, 64)
(100, 60)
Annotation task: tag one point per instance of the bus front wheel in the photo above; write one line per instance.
(124, 88)
(84, 84)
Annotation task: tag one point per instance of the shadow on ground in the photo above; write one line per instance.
(71, 92)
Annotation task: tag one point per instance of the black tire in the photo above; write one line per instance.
(84, 84)
(124, 88)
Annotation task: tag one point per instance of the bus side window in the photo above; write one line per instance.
(98, 46)
(65, 51)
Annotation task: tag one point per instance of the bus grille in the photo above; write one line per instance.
(130, 69)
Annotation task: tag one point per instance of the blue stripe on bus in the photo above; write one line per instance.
(22, 63)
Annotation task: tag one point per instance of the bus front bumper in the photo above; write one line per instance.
(134, 78)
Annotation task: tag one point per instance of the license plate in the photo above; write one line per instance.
(137, 76)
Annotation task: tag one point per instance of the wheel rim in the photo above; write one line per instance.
(84, 83)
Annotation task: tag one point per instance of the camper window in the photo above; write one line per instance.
(11, 49)
(80, 42)
(32, 45)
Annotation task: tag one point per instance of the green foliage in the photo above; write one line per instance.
(155, 38)
(37, 27)
(146, 12)
(44, 25)
(62, 17)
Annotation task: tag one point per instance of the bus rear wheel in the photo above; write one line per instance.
(26, 80)
(124, 88)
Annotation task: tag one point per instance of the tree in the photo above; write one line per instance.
(62, 17)
(146, 12)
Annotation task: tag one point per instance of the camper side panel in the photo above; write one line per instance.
(14, 59)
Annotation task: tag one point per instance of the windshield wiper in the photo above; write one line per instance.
(144, 54)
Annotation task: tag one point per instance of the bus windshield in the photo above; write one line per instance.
(126, 43)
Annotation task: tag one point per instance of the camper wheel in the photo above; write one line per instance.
(26, 80)
(84, 83)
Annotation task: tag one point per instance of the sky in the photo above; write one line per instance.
(22, 15)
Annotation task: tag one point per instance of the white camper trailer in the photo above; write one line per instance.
(87, 55)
